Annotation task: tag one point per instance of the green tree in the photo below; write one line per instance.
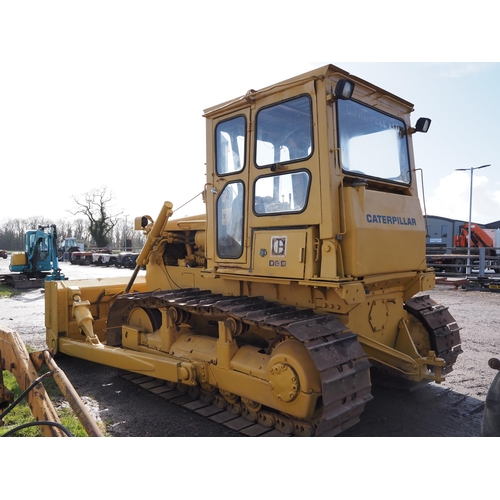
(95, 205)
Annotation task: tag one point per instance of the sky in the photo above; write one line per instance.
(111, 94)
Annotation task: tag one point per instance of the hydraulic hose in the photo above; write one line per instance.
(33, 424)
(24, 394)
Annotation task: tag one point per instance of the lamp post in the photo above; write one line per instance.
(470, 210)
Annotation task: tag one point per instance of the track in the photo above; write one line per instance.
(338, 356)
(21, 281)
(441, 326)
(219, 414)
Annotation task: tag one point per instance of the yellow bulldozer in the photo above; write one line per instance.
(306, 270)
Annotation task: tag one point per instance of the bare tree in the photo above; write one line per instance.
(80, 230)
(10, 239)
(12, 234)
(124, 234)
(64, 228)
(138, 240)
(96, 206)
(36, 220)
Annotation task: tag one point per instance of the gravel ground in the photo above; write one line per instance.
(453, 408)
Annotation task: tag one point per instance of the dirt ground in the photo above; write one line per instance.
(453, 408)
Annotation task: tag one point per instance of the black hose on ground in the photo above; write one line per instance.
(40, 422)
(31, 424)
(24, 394)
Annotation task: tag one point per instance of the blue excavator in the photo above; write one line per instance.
(38, 263)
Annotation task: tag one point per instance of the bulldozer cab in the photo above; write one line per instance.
(303, 180)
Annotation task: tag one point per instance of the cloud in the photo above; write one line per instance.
(452, 198)
(461, 70)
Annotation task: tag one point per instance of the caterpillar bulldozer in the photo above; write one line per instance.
(306, 270)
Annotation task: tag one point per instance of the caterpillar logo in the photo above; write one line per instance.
(278, 246)
(391, 219)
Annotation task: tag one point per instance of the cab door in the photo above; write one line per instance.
(229, 190)
(284, 210)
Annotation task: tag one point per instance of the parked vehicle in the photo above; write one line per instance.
(455, 259)
(104, 259)
(38, 262)
(87, 258)
(126, 260)
(67, 247)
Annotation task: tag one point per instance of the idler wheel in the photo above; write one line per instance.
(284, 382)
(145, 320)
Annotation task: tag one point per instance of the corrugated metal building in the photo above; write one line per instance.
(441, 230)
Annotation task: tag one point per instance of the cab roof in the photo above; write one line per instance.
(320, 73)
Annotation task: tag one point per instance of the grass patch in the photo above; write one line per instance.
(8, 291)
(21, 414)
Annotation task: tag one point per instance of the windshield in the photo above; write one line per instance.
(372, 143)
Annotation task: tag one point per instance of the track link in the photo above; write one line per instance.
(441, 326)
(23, 282)
(343, 366)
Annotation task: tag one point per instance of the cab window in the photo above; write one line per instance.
(230, 206)
(372, 143)
(284, 132)
(281, 193)
(230, 146)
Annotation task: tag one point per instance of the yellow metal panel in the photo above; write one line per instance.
(18, 259)
(188, 280)
(384, 233)
(279, 253)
